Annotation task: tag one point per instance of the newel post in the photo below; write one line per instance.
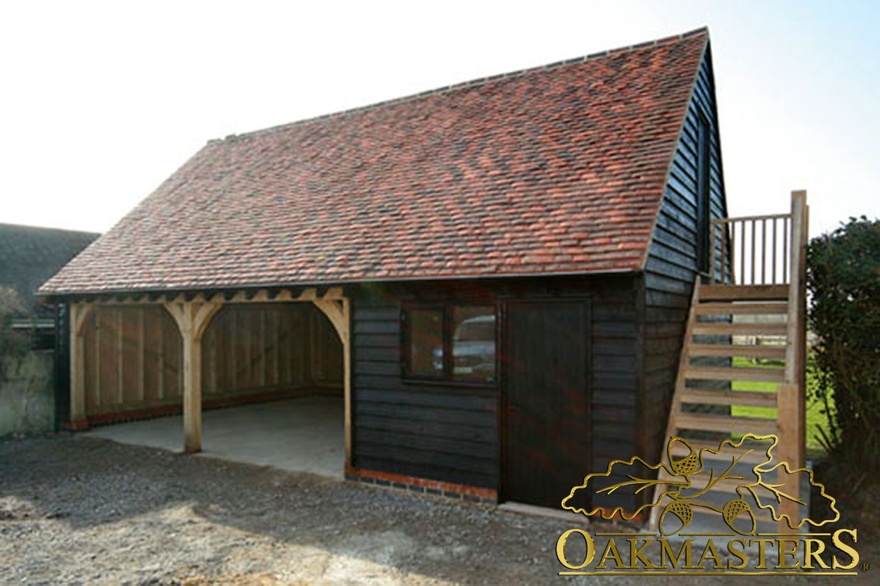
(792, 394)
(792, 399)
(192, 318)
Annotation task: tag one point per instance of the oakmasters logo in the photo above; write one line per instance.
(757, 521)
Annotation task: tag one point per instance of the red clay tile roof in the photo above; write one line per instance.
(553, 170)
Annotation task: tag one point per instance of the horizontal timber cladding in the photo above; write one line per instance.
(134, 357)
(451, 433)
(616, 378)
(424, 430)
(672, 259)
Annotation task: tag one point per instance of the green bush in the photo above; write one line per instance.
(843, 278)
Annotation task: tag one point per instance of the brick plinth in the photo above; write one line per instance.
(424, 485)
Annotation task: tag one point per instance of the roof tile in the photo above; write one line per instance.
(558, 169)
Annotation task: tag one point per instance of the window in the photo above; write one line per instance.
(426, 342)
(451, 342)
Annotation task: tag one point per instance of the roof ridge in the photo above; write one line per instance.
(31, 227)
(469, 84)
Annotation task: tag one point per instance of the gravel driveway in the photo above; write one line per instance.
(86, 510)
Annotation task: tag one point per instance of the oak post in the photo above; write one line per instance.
(78, 314)
(338, 311)
(346, 360)
(788, 428)
(192, 320)
(792, 395)
(192, 394)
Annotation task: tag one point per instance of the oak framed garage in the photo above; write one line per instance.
(507, 264)
(158, 359)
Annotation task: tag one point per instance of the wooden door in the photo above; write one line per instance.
(546, 402)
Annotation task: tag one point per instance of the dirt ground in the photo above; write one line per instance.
(77, 510)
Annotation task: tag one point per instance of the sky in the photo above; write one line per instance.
(101, 101)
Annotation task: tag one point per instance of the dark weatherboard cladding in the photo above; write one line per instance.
(633, 326)
(673, 255)
(452, 432)
(422, 429)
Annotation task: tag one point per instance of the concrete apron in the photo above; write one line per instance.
(300, 435)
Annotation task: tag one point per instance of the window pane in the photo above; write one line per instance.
(426, 342)
(473, 343)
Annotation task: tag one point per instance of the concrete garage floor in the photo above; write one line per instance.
(300, 435)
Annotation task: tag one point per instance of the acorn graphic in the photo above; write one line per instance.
(733, 510)
(681, 511)
(687, 465)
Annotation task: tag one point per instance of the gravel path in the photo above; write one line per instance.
(85, 510)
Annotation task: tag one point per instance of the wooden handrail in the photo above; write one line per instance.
(750, 250)
(750, 218)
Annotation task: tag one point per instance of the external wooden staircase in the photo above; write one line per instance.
(745, 344)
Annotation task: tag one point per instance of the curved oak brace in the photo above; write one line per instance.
(79, 313)
(336, 312)
(192, 317)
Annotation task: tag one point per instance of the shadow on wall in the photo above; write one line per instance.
(27, 399)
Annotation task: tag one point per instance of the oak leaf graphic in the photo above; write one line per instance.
(691, 474)
(778, 482)
(621, 477)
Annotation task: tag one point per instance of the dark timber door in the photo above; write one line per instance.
(547, 416)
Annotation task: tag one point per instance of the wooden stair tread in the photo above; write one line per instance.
(745, 308)
(728, 373)
(755, 456)
(744, 398)
(744, 292)
(743, 350)
(726, 486)
(741, 329)
(724, 423)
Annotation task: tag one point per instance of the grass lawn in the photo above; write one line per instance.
(815, 416)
